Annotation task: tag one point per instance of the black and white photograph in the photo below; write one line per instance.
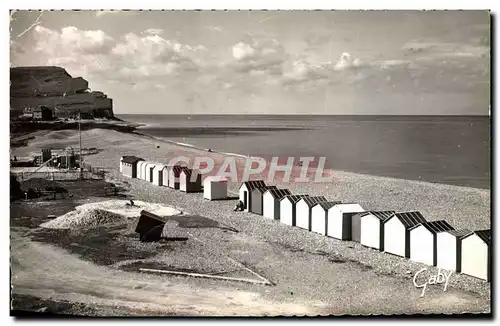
(250, 163)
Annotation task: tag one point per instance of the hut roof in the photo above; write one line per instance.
(294, 198)
(159, 167)
(253, 184)
(188, 172)
(484, 235)
(313, 200)
(410, 219)
(176, 169)
(262, 190)
(460, 233)
(435, 226)
(131, 159)
(326, 205)
(381, 215)
(279, 193)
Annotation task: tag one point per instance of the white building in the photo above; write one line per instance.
(304, 210)
(423, 248)
(215, 187)
(287, 208)
(476, 254)
(372, 228)
(340, 220)
(449, 249)
(272, 198)
(149, 171)
(319, 216)
(139, 169)
(245, 189)
(174, 173)
(396, 228)
(190, 180)
(158, 174)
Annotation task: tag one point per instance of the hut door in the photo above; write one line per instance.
(245, 199)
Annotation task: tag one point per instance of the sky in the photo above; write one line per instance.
(268, 62)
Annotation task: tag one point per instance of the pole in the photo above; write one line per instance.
(80, 132)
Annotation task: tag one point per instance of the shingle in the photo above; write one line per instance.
(484, 235)
(381, 215)
(311, 201)
(279, 193)
(460, 233)
(328, 204)
(436, 226)
(410, 219)
(254, 184)
(131, 159)
(294, 198)
(262, 190)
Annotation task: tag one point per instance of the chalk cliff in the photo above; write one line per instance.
(55, 88)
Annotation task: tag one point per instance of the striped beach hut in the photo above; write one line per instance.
(245, 189)
(423, 241)
(396, 232)
(304, 210)
(319, 216)
(476, 254)
(287, 208)
(340, 220)
(449, 249)
(372, 227)
(257, 199)
(189, 180)
(271, 199)
(173, 176)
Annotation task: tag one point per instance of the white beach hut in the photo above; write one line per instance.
(174, 173)
(144, 170)
(304, 211)
(319, 216)
(396, 235)
(215, 187)
(449, 249)
(158, 174)
(372, 228)
(423, 247)
(476, 254)
(166, 173)
(139, 169)
(245, 189)
(287, 208)
(149, 171)
(271, 199)
(340, 220)
(121, 163)
(190, 180)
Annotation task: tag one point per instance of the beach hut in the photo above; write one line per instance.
(271, 199)
(215, 187)
(144, 170)
(173, 176)
(149, 171)
(340, 220)
(244, 192)
(128, 166)
(287, 208)
(303, 210)
(423, 244)
(158, 174)
(139, 169)
(476, 254)
(396, 232)
(449, 249)
(189, 180)
(319, 216)
(257, 199)
(372, 228)
(166, 173)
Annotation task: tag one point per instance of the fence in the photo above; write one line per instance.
(60, 176)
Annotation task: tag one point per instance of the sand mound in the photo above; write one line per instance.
(99, 213)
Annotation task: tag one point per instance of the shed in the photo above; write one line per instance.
(397, 234)
(244, 192)
(140, 164)
(372, 227)
(423, 241)
(174, 173)
(476, 254)
(340, 220)
(149, 171)
(449, 249)
(271, 199)
(128, 166)
(158, 174)
(304, 210)
(257, 199)
(144, 172)
(190, 180)
(319, 216)
(166, 173)
(215, 187)
(288, 208)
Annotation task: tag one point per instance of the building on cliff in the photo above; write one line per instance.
(54, 88)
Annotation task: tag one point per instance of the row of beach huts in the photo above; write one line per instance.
(405, 234)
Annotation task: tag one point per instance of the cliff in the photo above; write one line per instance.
(53, 87)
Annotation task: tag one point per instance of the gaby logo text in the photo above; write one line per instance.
(421, 279)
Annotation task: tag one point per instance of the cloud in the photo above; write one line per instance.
(265, 55)
(107, 12)
(153, 31)
(438, 50)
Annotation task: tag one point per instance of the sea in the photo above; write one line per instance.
(451, 150)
